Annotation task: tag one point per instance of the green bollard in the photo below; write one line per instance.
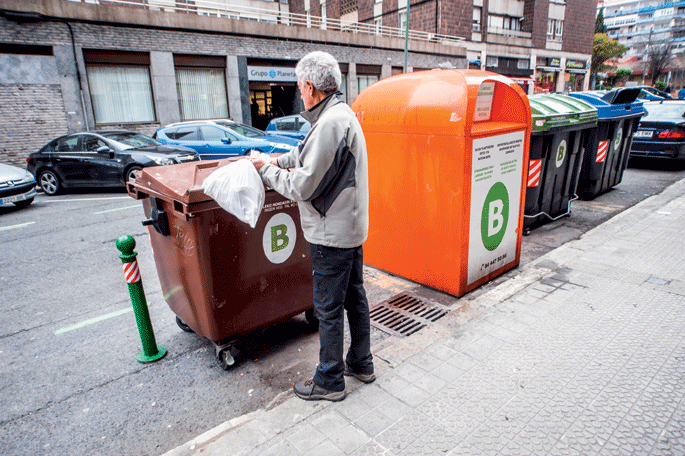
(151, 352)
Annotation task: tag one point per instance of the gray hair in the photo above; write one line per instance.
(321, 69)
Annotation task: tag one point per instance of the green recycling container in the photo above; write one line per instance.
(561, 127)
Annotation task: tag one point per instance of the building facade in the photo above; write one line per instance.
(75, 65)
(545, 45)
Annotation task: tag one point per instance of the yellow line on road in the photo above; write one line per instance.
(93, 321)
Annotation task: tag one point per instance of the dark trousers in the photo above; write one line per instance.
(338, 286)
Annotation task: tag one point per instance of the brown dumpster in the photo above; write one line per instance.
(220, 277)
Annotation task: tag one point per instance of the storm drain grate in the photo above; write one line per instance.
(405, 313)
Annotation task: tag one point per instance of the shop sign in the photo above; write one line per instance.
(576, 64)
(554, 62)
(266, 73)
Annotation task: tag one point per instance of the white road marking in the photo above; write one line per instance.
(93, 321)
(14, 227)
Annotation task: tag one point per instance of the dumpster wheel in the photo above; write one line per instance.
(181, 324)
(226, 355)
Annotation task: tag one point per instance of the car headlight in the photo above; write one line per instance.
(28, 177)
(160, 160)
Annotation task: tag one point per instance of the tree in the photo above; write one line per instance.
(599, 22)
(658, 57)
(603, 49)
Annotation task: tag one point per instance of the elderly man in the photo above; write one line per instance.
(329, 180)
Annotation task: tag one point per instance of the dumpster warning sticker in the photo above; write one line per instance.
(602, 151)
(495, 200)
(279, 238)
(486, 91)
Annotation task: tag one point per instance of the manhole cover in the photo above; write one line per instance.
(405, 313)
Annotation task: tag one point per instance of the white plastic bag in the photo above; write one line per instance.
(238, 189)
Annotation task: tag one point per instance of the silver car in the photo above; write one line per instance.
(17, 186)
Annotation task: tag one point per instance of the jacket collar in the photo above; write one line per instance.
(313, 114)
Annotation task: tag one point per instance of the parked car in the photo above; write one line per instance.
(222, 138)
(294, 126)
(100, 159)
(652, 94)
(661, 131)
(17, 186)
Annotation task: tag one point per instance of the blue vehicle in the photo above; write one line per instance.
(294, 126)
(222, 138)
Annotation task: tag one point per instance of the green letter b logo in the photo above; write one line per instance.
(495, 216)
(279, 239)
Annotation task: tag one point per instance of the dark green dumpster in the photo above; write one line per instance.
(561, 128)
(609, 148)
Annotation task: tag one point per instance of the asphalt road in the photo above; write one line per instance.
(69, 379)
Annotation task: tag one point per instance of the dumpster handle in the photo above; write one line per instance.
(568, 211)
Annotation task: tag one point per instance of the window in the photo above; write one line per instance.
(365, 81)
(522, 64)
(378, 24)
(477, 10)
(491, 62)
(555, 29)
(212, 133)
(201, 93)
(343, 87)
(402, 19)
(68, 144)
(185, 134)
(120, 94)
(92, 143)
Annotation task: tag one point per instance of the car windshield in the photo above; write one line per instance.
(241, 129)
(665, 110)
(132, 140)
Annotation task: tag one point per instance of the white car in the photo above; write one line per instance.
(17, 186)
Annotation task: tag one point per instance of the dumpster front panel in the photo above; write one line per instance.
(494, 237)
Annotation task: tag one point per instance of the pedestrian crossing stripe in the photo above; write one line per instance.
(534, 172)
(602, 151)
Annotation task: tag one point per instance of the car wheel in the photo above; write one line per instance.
(49, 182)
(23, 203)
(131, 173)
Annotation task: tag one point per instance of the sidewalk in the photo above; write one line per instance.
(581, 353)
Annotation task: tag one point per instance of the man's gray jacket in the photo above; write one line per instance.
(329, 177)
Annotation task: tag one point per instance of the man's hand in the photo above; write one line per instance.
(258, 162)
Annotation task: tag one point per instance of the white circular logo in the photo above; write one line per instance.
(561, 153)
(619, 137)
(279, 238)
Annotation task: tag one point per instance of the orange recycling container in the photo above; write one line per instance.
(448, 154)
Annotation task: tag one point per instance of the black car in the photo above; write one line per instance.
(661, 132)
(100, 159)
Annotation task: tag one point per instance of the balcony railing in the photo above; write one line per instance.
(275, 16)
(510, 33)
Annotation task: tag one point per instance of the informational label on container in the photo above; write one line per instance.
(497, 164)
(278, 240)
(486, 91)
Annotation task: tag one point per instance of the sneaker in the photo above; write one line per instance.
(366, 378)
(310, 391)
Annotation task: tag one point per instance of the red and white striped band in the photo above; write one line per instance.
(131, 272)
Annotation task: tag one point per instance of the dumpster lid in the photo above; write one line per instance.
(182, 182)
(557, 110)
(613, 103)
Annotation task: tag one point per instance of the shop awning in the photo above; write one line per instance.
(549, 69)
